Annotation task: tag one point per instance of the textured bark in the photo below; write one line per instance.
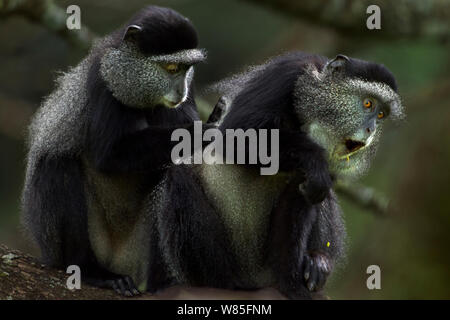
(24, 277)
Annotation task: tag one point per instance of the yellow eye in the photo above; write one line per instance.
(171, 67)
(368, 103)
(380, 115)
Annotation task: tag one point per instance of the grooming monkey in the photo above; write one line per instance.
(227, 226)
(100, 143)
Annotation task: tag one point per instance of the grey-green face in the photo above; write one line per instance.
(143, 81)
(345, 116)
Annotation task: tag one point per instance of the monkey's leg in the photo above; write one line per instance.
(55, 212)
(158, 272)
(291, 223)
(192, 236)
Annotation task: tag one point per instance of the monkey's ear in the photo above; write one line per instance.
(337, 63)
(131, 32)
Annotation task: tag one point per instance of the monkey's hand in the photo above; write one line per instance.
(298, 152)
(316, 268)
(317, 185)
(218, 111)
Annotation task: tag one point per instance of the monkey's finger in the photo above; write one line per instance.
(321, 278)
(131, 286)
(312, 282)
(218, 110)
(115, 287)
(307, 267)
(124, 291)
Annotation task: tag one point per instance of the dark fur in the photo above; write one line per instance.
(55, 207)
(162, 26)
(370, 71)
(194, 236)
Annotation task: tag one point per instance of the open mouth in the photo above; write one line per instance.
(351, 147)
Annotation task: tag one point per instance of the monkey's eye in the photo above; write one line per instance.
(380, 115)
(368, 103)
(172, 67)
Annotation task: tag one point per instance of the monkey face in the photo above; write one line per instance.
(345, 116)
(143, 81)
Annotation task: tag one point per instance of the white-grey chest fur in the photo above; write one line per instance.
(118, 225)
(245, 200)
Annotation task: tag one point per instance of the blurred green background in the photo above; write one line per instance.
(410, 243)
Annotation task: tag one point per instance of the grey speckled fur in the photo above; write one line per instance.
(129, 73)
(327, 102)
(57, 126)
(332, 108)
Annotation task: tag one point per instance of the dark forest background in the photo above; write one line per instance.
(409, 240)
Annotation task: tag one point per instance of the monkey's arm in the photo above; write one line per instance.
(142, 151)
(325, 244)
(55, 213)
(298, 152)
(305, 242)
(291, 223)
(116, 143)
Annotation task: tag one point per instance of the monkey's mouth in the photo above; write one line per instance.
(353, 145)
(350, 147)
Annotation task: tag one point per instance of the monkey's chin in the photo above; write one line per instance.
(351, 168)
(170, 104)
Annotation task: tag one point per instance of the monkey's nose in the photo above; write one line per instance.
(370, 128)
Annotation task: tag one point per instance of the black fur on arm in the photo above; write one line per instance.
(304, 242)
(328, 232)
(325, 244)
(291, 223)
(299, 153)
(55, 212)
(114, 141)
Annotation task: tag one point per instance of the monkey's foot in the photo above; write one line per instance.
(316, 268)
(123, 285)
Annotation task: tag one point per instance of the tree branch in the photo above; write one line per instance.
(49, 15)
(400, 18)
(365, 197)
(24, 277)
